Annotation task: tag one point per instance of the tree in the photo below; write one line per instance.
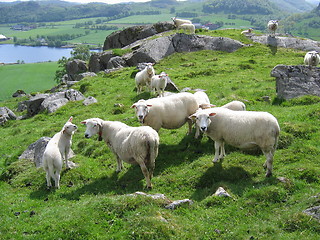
(81, 52)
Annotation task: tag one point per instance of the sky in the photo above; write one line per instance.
(87, 1)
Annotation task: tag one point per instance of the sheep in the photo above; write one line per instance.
(312, 58)
(202, 98)
(248, 31)
(56, 150)
(272, 26)
(170, 112)
(188, 27)
(235, 106)
(143, 78)
(134, 145)
(159, 83)
(241, 129)
(177, 22)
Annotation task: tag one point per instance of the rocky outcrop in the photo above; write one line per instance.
(153, 50)
(129, 35)
(74, 68)
(296, 81)
(6, 114)
(287, 42)
(51, 102)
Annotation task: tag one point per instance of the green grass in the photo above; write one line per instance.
(92, 201)
(28, 77)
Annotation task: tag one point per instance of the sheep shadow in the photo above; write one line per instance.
(272, 44)
(217, 176)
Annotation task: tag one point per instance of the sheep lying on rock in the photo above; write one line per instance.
(134, 145)
(272, 26)
(143, 78)
(159, 83)
(312, 58)
(168, 112)
(177, 21)
(57, 149)
(248, 31)
(242, 129)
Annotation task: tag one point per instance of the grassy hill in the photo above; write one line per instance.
(92, 202)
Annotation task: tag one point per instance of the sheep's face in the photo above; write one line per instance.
(93, 127)
(142, 110)
(203, 120)
(149, 68)
(69, 128)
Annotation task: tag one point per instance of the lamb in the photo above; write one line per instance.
(134, 145)
(159, 83)
(143, 78)
(202, 99)
(312, 58)
(272, 26)
(188, 27)
(248, 31)
(242, 129)
(170, 112)
(57, 149)
(177, 22)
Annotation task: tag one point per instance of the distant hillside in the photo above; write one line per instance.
(293, 6)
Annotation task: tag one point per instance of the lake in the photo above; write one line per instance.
(10, 53)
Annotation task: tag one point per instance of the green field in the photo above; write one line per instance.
(93, 201)
(28, 77)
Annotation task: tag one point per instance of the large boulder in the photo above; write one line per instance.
(75, 67)
(34, 104)
(296, 81)
(129, 35)
(6, 114)
(287, 42)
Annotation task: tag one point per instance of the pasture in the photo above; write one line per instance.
(93, 201)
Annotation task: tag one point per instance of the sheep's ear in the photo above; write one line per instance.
(192, 117)
(70, 119)
(212, 114)
(84, 122)
(211, 105)
(133, 106)
(149, 105)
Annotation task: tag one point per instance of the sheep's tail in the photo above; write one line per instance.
(153, 145)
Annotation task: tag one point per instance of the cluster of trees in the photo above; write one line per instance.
(239, 7)
(98, 26)
(42, 11)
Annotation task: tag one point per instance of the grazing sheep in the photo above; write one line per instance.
(143, 78)
(203, 103)
(248, 31)
(134, 145)
(56, 150)
(188, 27)
(235, 106)
(168, 112)
(159, 83)
(242, 129)
(272, 26)
(312, 58)
(177, 22)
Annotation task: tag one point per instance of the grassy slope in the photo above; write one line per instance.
(28, 77)
(91, 203)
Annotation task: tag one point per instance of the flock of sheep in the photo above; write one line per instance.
(230, 124)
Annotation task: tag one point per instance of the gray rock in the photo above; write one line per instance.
(178, 203)
(313, 211)
(81, 76)
(129, 35)
(7, 113)
(50, 100)
(89, 100)
(22, 106)
(19, 93)
(74, 68)
(34, 104)
(116, 62)
(74, 95)
(296, 81)
(287, 42)
(56, 104)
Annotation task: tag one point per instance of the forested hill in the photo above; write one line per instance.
(56, 11)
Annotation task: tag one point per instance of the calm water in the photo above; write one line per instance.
(10, 53)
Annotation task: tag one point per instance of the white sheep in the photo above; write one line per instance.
(235, 106)
(202, 98)
(159, 83)
(168, 112)
(241, 129)
(134, 145)
(187, 27)
(247, 31)
(143, 78)
(177, 21)
(312, 58)
(57, 149)
(272, 26)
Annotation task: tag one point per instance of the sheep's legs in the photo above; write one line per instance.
(218, 145)
(190, 123)
(57, 179)
(48, 177)
(268, 163)
(119, 164)
(145, 173)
